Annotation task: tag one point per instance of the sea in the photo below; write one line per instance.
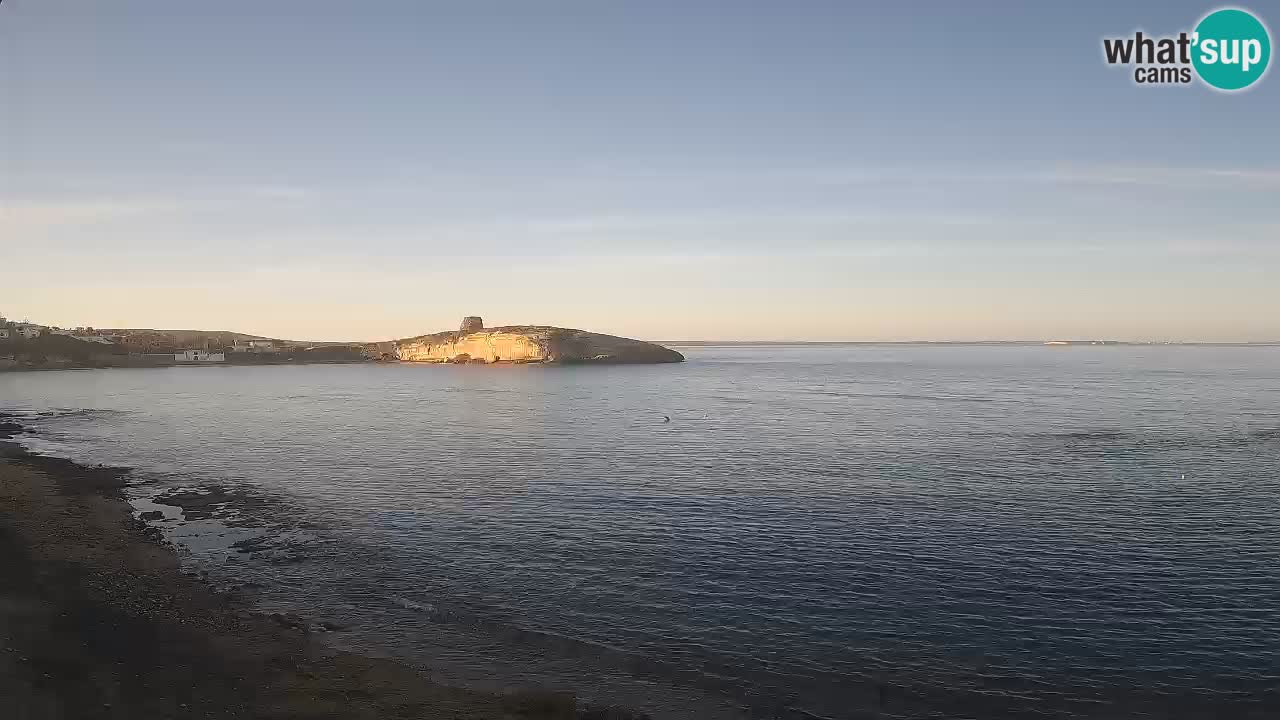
(765, 531)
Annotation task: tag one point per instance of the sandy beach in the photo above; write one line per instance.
(97, 620)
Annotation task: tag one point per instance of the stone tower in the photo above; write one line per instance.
(471, 323)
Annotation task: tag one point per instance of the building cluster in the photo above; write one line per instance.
(86, 335)
(199, 356)
(136, 343)
(207, 355)
(24, 330)
(31, 331)
(217, 356)
(254, 346)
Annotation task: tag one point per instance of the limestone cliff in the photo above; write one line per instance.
(529, 344)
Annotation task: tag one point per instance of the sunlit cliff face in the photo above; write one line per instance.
(524, 344)
(487, 345)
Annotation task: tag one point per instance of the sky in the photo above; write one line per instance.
(665, 170)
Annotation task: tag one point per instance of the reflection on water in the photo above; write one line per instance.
(819, 531)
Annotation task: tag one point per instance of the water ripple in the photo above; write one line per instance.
(825, 532)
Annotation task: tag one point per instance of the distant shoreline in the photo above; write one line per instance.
(8, 365)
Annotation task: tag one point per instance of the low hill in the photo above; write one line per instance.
(529, 344)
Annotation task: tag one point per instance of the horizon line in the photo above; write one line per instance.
(1061, 341)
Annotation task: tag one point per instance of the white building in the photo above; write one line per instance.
(256, 346)
(199, 356)
(4, 333)
(28, 331)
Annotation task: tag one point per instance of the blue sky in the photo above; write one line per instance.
(667, 170)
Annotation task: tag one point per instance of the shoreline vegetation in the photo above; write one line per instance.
(23, 356)
(58, 352)
(24, 346)
(97, 619)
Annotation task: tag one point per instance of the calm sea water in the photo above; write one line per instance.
(819, 531)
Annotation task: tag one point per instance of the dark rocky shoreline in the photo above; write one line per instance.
(97, 620)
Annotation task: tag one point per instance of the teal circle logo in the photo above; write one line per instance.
(1232, 49)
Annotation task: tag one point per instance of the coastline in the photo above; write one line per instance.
(97, 619)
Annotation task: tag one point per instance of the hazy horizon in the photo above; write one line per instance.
(696, 341)
(818, 171)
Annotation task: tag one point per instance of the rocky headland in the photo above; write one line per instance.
(474, 343)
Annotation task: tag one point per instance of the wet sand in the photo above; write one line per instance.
(97, 620)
